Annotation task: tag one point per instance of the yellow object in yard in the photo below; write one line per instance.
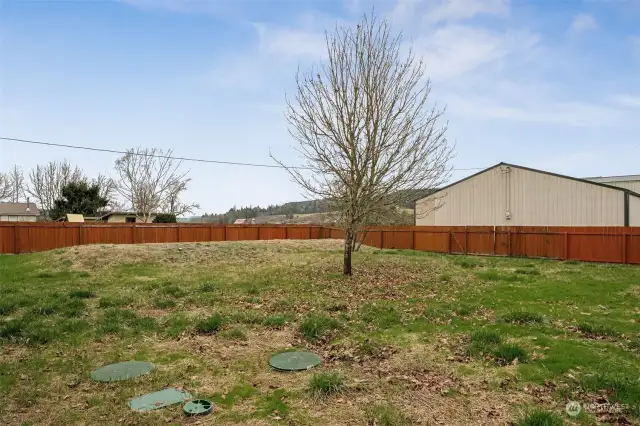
(77, 218)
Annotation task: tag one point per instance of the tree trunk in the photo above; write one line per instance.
(348, 247)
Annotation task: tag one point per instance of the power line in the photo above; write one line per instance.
(199, 160)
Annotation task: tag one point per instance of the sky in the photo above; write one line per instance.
(549, 84)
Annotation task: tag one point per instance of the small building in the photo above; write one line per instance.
(244, 221)
(125, 217)
(19, 212)
(507, 194)
(72, 218)
(630, 182)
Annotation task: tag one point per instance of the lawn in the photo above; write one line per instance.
(411, 338)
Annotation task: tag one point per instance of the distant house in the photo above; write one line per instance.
(18, 212)
(244, 222)
(124, 217)
(71, 217)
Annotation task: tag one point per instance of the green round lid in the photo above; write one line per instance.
(198, 407)
(121, 371)
(294, 361)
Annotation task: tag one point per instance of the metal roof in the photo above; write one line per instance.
(19, 209)
(623, 178)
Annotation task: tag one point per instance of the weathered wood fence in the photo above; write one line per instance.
(597, 244)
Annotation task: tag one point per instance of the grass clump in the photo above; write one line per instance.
(445, 278)
(116, 320)
(596, 330)
(484, 342)
(82, 294)
(274, 321)
(173, 291)
(385, 415)
(506, 353)
(164, 303)
(539, 418)
(236, 333)
(274, 403)
(467, 263)
(207, 288)
(527, 271)
(113, 302)
(322, 385)
(315, 326)
(523, 317)
(619, 389)
(382, 315)
(209, 325)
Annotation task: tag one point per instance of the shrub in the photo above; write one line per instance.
(539, 418)
(523, 317)
(316, 325)
(165, 218)
(322, 385)
(506, 353)
(209, 325)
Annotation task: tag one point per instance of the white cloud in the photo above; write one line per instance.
(454, 50)
(456, 10)
(435, 11)
(626, 100)
(289, 42)
(583, 22)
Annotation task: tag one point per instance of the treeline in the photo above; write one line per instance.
(147, 182)
(287, 209)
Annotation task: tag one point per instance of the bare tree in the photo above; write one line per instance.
(365, 130)
(151, 181)
(5, 186)
(16, 179)
(108, 189)
(46, 182)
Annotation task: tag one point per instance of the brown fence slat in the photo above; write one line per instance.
(597, 244)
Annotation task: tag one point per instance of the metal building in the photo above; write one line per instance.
(507, 194)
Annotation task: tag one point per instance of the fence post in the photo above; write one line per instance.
(80, 235)
(466, 240)
(566, 245)
(15, 239)
(449, 243)
(179, 233)
(624, 247)
(133, 233)
(494, 240)
(509, 236)
(413, 239)
(382, 238)
(286, 232)
(225, 233)
(211, 232)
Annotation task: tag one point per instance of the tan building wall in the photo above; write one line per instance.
(122, 218)
(530, 197)
(634, 210)
(7, 218)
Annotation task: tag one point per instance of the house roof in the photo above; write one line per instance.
(617, 188)
(123, 214)
(19, 209)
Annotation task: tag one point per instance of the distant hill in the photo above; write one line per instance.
(313, 211)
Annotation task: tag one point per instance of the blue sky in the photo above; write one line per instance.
(546, 84)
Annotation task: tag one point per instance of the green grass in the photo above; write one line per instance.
(523, 317)
(385, 415)
(209, 325)
(316, 326)
(539, 418)
(322, 385)
(211, 315)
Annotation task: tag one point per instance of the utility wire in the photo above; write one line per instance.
(199, 160)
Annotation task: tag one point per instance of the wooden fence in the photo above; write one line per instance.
(597, 244)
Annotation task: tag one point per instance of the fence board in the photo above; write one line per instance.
(598, 244)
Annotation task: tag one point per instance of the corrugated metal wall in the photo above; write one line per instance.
(532, 198)
(633, 185)
(634, 210)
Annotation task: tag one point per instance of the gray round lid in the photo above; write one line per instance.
(121, 371)
(294, 361)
